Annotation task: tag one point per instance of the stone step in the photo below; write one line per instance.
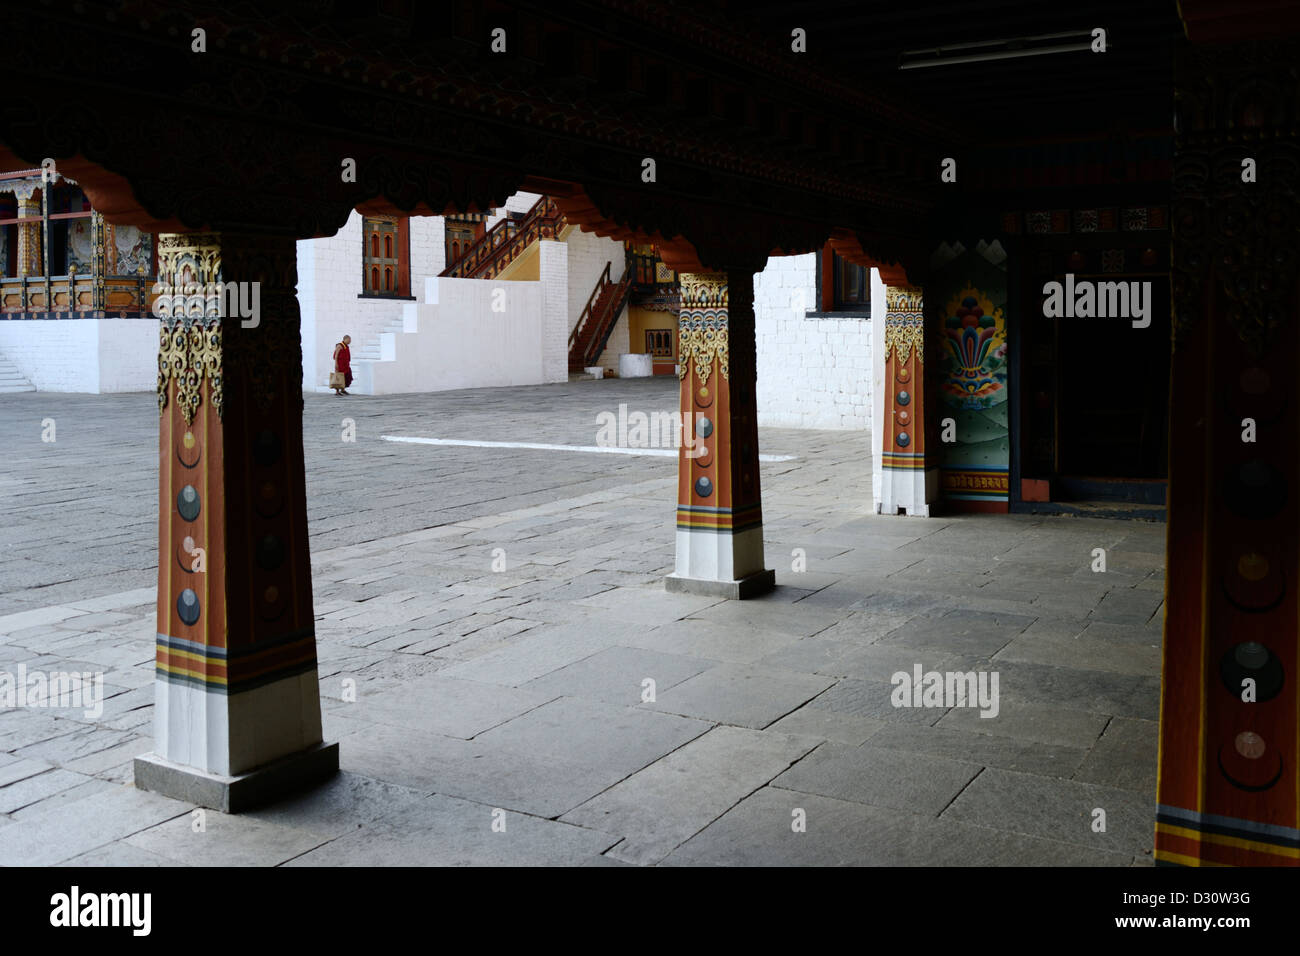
(12, 379)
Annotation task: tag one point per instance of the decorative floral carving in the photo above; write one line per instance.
(904, 325)
(189, 350)
(703, 325)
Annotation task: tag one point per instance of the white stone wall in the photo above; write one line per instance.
(428, 249)
(588, 256)
(519, 202)
(812, 372)
(553, 272)
(84, 355)
(329, 283)
(458, 340)
(618, 344)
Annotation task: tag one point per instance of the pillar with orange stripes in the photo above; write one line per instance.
(901, 484)
(719, 508)
(1228, 791)
(237, 714)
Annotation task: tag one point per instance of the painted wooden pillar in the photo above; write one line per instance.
(98, 264)
(1229, 782)
(719, 510)
(238, 702)
(29, 233)
(900, 442)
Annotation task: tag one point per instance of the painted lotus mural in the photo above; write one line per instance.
(976, 338)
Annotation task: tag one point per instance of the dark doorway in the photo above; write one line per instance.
(1095, 391)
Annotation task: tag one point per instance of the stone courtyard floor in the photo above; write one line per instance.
(520, 690)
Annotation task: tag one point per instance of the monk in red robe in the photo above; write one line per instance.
(343, 363)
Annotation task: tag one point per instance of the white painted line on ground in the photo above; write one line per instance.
(538, 446)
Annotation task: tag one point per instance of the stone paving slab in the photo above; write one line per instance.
(225, 841)
(1124, 757)
(758, 832)
(741, 695)
(617, 675)
(1032, 722)
(663, 805)
(447, 706)
(70, 829)
(446, 831)
(1003, 752)
(828, 725)
(918, 783)
(1058, 810)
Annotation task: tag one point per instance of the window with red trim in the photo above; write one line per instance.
(384, 266)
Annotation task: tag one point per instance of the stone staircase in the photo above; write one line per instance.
(373, 350)
(12, 380)
(506, 241)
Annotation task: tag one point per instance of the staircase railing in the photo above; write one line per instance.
(600, 313)
(591, 301)
(488, 255)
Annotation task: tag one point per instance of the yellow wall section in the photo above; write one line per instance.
(639, 320)
(528, 267)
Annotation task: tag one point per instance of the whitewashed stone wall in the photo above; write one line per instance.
(554, 265)
(456, 339)
(519, 202)
(620, 342)
(84, 355)
(812, 372)
(588, 256)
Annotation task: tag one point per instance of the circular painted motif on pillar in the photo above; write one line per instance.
(273, 603)
(703, 487)
(1256, 490)
(903, 398)
(903, 439)
(269, 500)
(1252, 582)
(703, 427)
(1251, 660)
(187, 503)
(903, 375)
(185, 555)
(903, 418)
(266, 448)
(187, 606)
(1250, 745)
(188, 450)
(703, 397)
(270, 553)
(1249, 762)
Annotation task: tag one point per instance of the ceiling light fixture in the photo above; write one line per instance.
(988, 50)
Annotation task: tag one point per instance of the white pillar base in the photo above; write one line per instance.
(903, 491)
(213, 732)
(726, 565)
